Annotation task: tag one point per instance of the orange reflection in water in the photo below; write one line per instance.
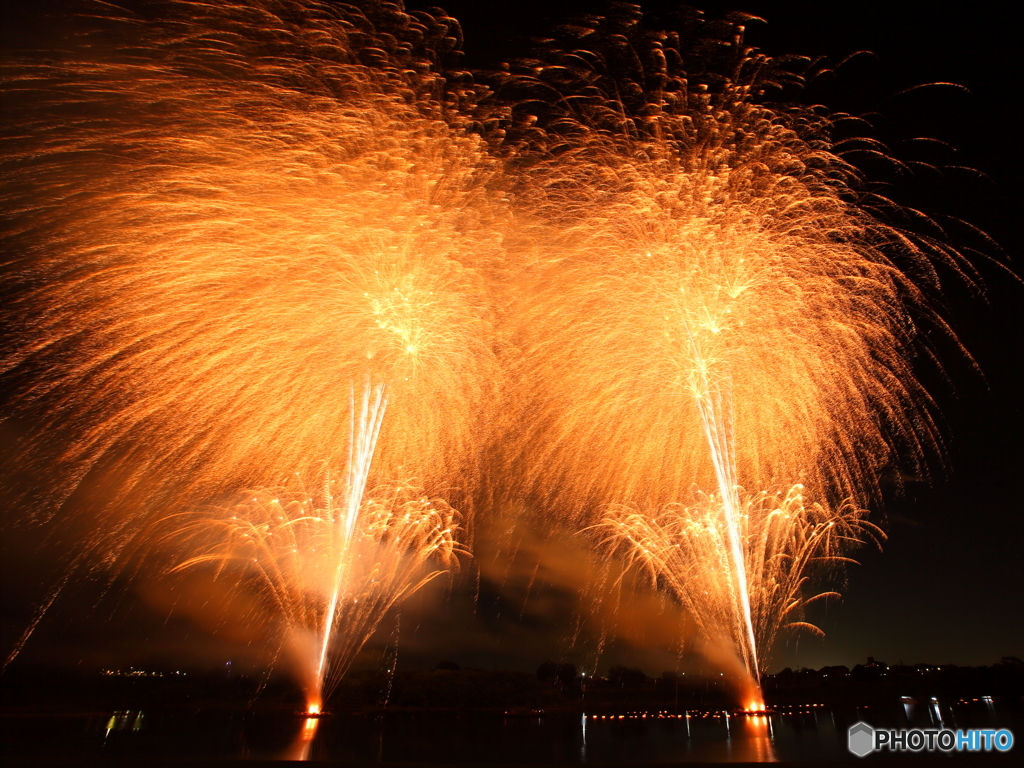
(299, 748)
(754, 742)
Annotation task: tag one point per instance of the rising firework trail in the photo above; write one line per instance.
(364, 429)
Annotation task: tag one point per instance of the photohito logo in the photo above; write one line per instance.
(862, 739)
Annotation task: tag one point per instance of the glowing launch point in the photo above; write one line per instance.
(313, 710)
(754, 709)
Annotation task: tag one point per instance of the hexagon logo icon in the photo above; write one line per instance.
(861, 739)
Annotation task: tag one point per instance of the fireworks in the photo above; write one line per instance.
(701, 300)
(218, 228)
(239, 235)
(707, 305)
(228, 233)
(324, 566)
(687, 550)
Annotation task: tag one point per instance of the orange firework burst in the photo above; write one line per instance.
(707, 305)
(228, 226)
(224, 217)
(326, 567)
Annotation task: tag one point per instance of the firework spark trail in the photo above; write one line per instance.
(711, 403)
(659, 272)
(707, 303)
(218, 218)
(363, 436)
(722, 360)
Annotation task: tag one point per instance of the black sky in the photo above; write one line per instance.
(946, 588)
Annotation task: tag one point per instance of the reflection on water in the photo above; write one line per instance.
(299, 748)
(124, 719)
(689, 735)
(756, 738)
(791, 732)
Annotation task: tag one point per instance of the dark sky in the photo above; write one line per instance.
(946, 587)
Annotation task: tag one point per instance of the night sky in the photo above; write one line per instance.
(947, 585)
